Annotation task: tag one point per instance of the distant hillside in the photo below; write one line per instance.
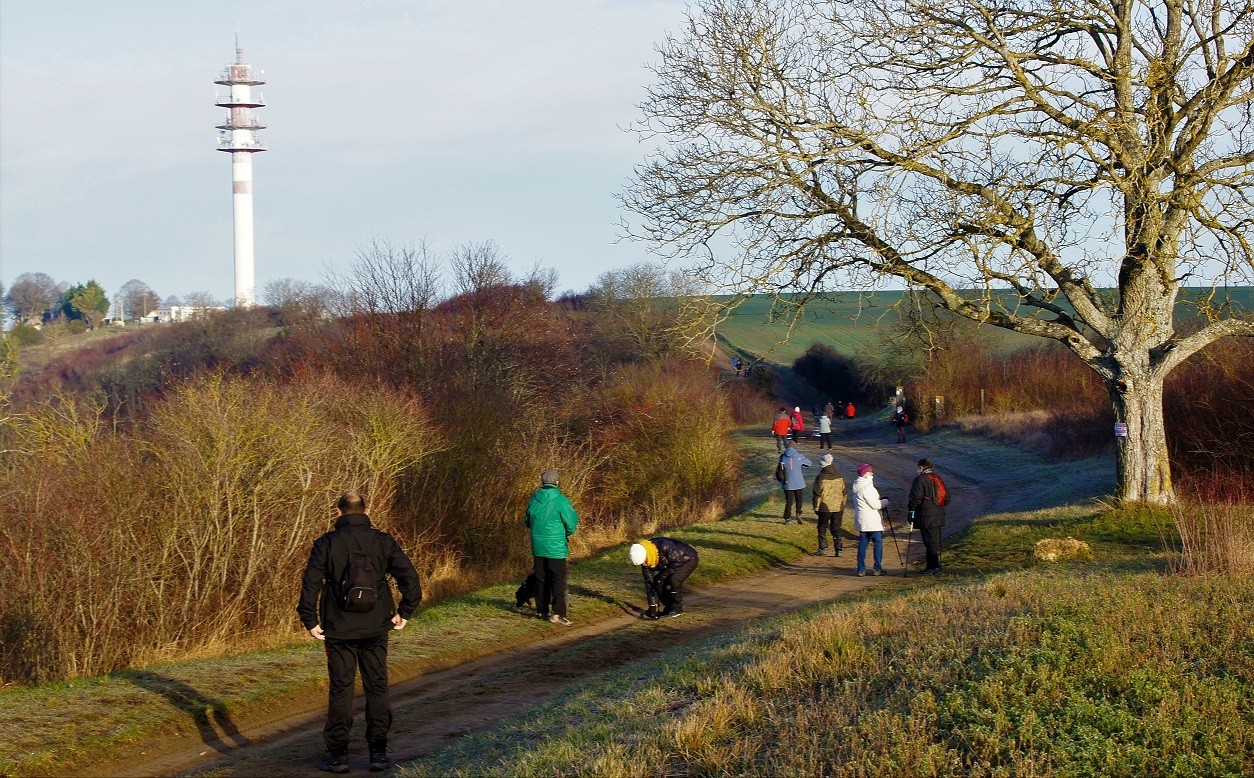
(852, 320)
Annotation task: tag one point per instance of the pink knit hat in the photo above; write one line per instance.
(863, 469)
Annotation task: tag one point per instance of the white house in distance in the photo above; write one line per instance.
(169, 313)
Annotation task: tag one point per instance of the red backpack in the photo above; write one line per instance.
(942, 494)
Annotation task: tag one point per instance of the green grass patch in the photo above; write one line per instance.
(1132, 537)
(849, 321)
(1107, 667)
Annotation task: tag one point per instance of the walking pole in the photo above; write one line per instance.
(909, 540)
(893, 532)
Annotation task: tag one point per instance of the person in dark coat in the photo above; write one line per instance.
(926, 504)
(355, 635)
(900, 420)
(665, 563)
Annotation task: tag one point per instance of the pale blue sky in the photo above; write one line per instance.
(454, 121)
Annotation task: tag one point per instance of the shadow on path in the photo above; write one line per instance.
(210, 716)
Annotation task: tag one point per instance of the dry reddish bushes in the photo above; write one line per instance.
(1208, 407)
(1046, 400)
(173, 517)
(182, 537)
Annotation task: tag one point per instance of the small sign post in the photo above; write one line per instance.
(1121, 429)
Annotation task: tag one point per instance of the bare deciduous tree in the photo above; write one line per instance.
(31, 296)
(138, 300)
(644, 305)
(1074, 163)
(296, 299)
(383, 303)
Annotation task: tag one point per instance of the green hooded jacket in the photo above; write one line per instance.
(552, 519)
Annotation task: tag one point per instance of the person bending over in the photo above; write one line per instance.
(665, 563)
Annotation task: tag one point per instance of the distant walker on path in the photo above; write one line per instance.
(794, 481)
(781, 427)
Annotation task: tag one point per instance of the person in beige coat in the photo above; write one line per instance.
(829, 503)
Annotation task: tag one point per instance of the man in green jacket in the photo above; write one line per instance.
(551, 519)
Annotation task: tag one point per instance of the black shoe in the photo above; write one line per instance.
(379, 760)
(332, 763)
(820, 552)
(838, 552)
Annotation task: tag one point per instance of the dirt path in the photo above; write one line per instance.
(434, 709)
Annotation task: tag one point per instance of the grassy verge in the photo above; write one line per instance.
(52, 728)
(1106, 667)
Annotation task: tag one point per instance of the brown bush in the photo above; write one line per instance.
(1208, 407)
(217, 483)
(188, 536)
(1214, 539)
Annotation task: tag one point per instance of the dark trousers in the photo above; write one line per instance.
(825, 440)
(830, 520)
(792, 497)
(551, 577)
(669, 591)
(932, 544)
(344, 657)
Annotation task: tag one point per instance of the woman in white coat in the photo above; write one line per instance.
(867, 519)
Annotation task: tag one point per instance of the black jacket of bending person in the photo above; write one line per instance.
(327, 564)
(671, 554)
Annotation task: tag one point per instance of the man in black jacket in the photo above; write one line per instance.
(927, 501)
(666, 563)
(355, 626)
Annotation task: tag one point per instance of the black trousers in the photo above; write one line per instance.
(669, 587)
(344, 657)
(551, 575)
(825, 440)
(932, 544)
(792, 497)
(830, 520)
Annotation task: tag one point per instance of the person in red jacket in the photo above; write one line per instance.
(850, 411)
(781, 428)
(798, 424)
(354, 623)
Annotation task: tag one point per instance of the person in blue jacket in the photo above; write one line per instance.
(794, 482)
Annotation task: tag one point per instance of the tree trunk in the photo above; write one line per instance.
(1142, 468)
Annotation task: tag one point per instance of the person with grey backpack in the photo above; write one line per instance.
(788, 473)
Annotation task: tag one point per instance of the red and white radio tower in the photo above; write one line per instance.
(238, 135)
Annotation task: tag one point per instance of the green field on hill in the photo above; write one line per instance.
(851, 321)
